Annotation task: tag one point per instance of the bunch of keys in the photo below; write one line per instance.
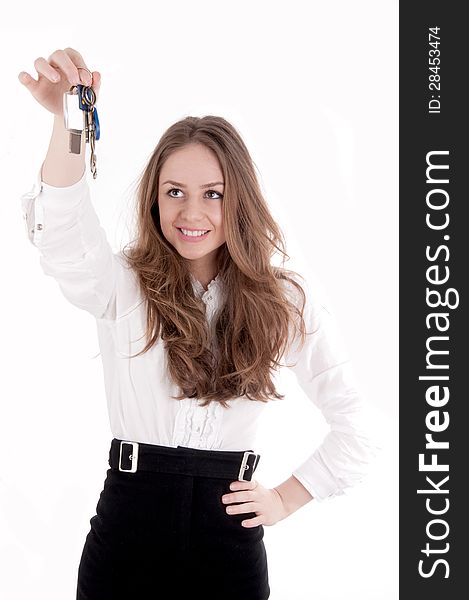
(81, 115)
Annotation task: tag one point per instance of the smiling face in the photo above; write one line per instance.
(190, 197)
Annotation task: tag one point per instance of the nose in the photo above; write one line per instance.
(193, 210)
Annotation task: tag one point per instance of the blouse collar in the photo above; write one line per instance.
(213, 286)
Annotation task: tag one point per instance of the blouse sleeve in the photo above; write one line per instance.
(324, 371)
(62, 223)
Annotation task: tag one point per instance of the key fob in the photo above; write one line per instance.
(73, 116)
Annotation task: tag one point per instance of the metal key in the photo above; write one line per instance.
(88, 99)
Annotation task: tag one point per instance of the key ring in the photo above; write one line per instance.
(84, 68)
(89, 91)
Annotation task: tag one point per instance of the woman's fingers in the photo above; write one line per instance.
(25, 78)
(44, 68)
(62, 62)
(60, 59)
(77, 59)
(96, 80)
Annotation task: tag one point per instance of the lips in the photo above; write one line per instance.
(192, 238)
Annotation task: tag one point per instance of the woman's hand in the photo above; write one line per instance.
(266, 503)
(63, 64)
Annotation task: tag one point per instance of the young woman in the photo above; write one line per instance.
(193, 319)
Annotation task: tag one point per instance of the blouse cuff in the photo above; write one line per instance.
(56, 200)
(317, 480)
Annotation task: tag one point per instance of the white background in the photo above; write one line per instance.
(312, 88)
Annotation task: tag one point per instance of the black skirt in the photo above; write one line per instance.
(161, 529)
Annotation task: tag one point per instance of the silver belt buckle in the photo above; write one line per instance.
(133, 457)
(245, 466)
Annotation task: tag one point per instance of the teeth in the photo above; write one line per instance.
(192, 233)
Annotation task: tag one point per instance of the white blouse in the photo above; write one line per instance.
(62, 223)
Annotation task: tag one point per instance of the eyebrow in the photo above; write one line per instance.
(207, 185)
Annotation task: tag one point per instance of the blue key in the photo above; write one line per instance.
(96, 122)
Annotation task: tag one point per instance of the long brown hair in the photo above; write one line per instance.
(252, 330)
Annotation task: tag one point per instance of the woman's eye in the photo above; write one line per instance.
(214, 192)
(218, 194)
